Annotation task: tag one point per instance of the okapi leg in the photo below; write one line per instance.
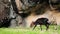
(47, 26)
(34, 26)
(41, 27)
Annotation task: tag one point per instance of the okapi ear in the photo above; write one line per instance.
(33, 22)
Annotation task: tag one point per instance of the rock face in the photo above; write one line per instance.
(4, 9)
(26, 11)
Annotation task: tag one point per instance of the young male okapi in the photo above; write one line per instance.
(41, 21)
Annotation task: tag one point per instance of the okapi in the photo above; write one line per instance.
(40, 21)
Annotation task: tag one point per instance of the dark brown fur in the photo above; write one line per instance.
(40, 21)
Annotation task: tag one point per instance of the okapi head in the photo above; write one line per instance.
(32, 24)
